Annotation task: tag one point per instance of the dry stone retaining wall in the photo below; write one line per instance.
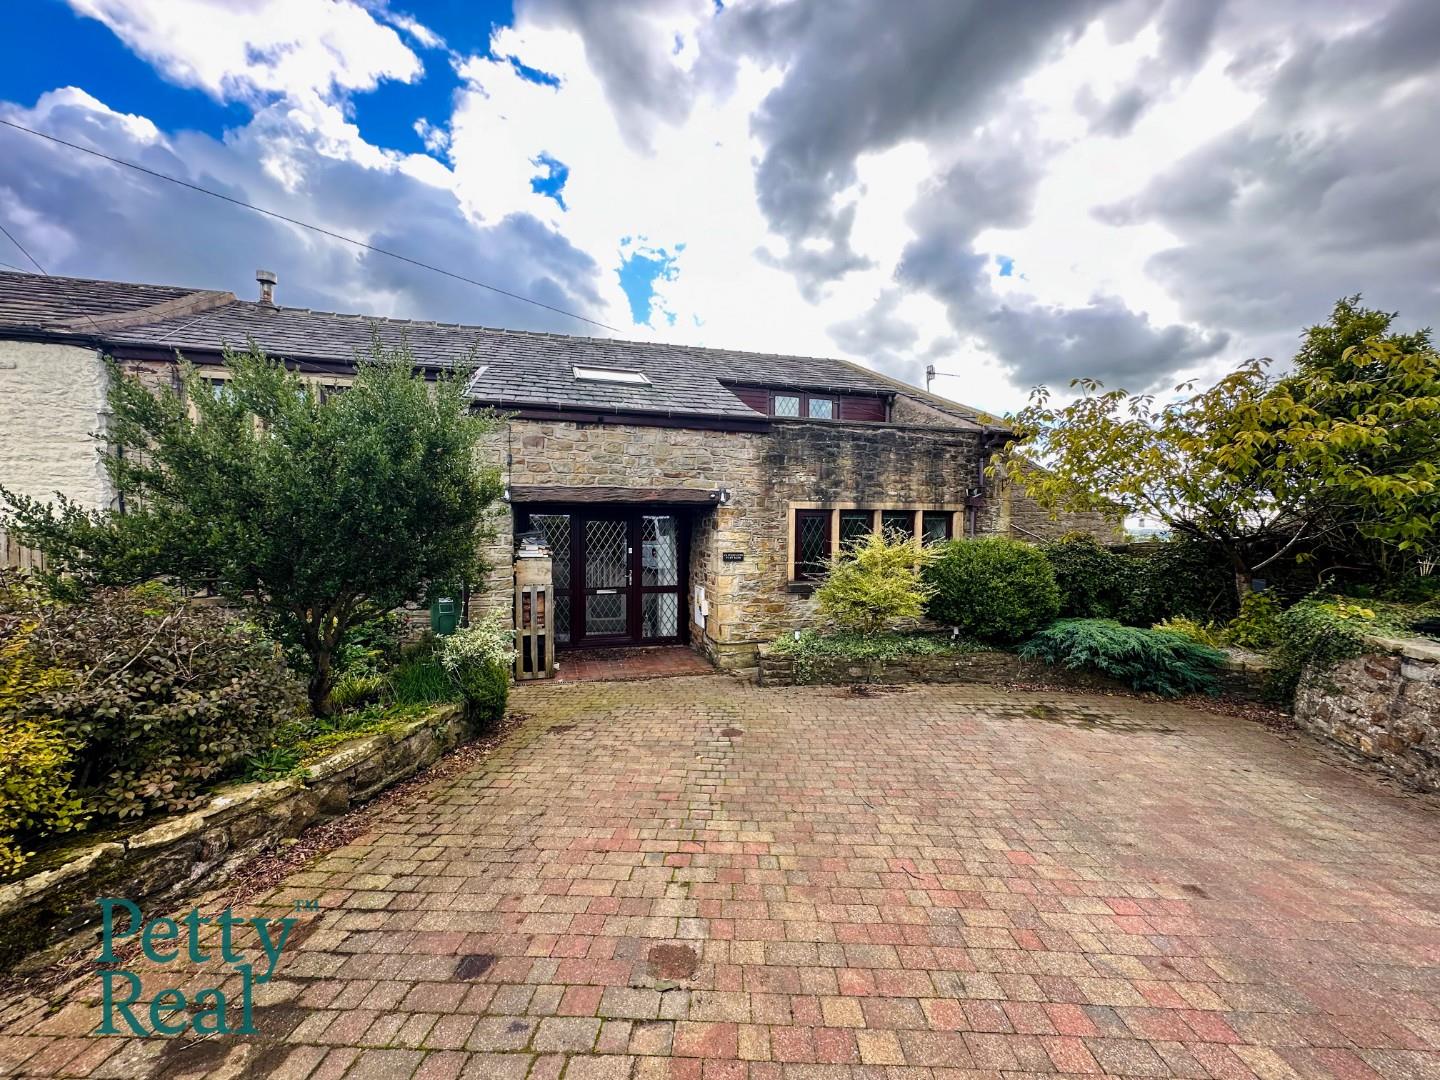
(182, 855)
(1384, 706)
(1241, 678)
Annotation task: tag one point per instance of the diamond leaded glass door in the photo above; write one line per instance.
(606, 604)
(620, 574)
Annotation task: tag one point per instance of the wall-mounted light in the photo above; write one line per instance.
(724, 499)
(506, 493)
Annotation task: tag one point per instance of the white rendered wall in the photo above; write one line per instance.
(51, 400)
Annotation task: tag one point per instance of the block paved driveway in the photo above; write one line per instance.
(693, 879)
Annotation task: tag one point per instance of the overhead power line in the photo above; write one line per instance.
(23, 251)
(301, 224)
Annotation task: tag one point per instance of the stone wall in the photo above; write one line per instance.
(179, 856)
(52, 397)
(1384, 706)
(1009, 511)
(1241, 678)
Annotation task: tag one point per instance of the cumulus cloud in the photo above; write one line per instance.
(251, 51)
(91, 218)
(862, 77)
(638, 51)
(1328, 188)
(1124, 189)
(1185, 31)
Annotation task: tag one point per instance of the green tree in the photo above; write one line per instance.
(1261, 467)
(876, 583)
(1354, 364)
(317, 511)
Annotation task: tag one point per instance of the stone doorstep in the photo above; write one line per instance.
(231, 808)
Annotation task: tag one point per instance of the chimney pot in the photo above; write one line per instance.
(267, 280)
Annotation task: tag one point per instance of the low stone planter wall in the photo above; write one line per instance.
(1244, 676)
(178, 856)
(1384, 706)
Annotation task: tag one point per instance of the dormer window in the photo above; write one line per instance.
(610, 375)
(797, 403)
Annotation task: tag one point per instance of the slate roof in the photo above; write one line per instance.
(34, 302)
(519, 368)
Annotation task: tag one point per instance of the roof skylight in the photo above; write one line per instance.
(615, 375)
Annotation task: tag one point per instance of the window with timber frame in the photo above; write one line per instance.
(819, 532)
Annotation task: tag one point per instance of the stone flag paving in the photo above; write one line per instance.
(695, 879)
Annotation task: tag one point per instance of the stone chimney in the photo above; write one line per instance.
(267, 280)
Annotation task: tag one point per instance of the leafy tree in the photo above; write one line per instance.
(318, 511)
(876, 583)
(1353, 364)
(1262, 467)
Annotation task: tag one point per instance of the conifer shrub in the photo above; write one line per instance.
(1148, 660)
(876, 583)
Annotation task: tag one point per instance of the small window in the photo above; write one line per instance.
(812, 543)
(855, 525)
(822, 408)
(936, 526)
(786, 405)
(615, 375)
(898, 521)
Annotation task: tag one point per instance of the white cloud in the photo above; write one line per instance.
(302, 49)
(840, 181)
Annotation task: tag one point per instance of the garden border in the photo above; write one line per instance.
(1242, 678)
(177, 856)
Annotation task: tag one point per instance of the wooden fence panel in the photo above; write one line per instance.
(16, 556)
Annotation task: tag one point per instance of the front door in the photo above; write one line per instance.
(619, 574)
(605, 577)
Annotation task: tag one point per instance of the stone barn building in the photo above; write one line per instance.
(688, 494)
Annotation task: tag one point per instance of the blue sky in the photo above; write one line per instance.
(1137, 192)
(95, 60)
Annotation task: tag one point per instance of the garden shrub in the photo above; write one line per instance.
(1148, 660)
(875, 583)
(169, 696)
(1090, 577)
(995, 590)
(357, 688)
(1191, 630)
(419, 679)
(477, 659)
(35, 758)
(1257, 626)
(1316, 633)
(1180, 576)
(371, 647)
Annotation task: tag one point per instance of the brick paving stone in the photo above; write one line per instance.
(939, 884)
(385, 1065)
(568, 1034)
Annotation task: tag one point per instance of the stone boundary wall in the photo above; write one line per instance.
(1384, 706)
(178, 856)
(1243, 678)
